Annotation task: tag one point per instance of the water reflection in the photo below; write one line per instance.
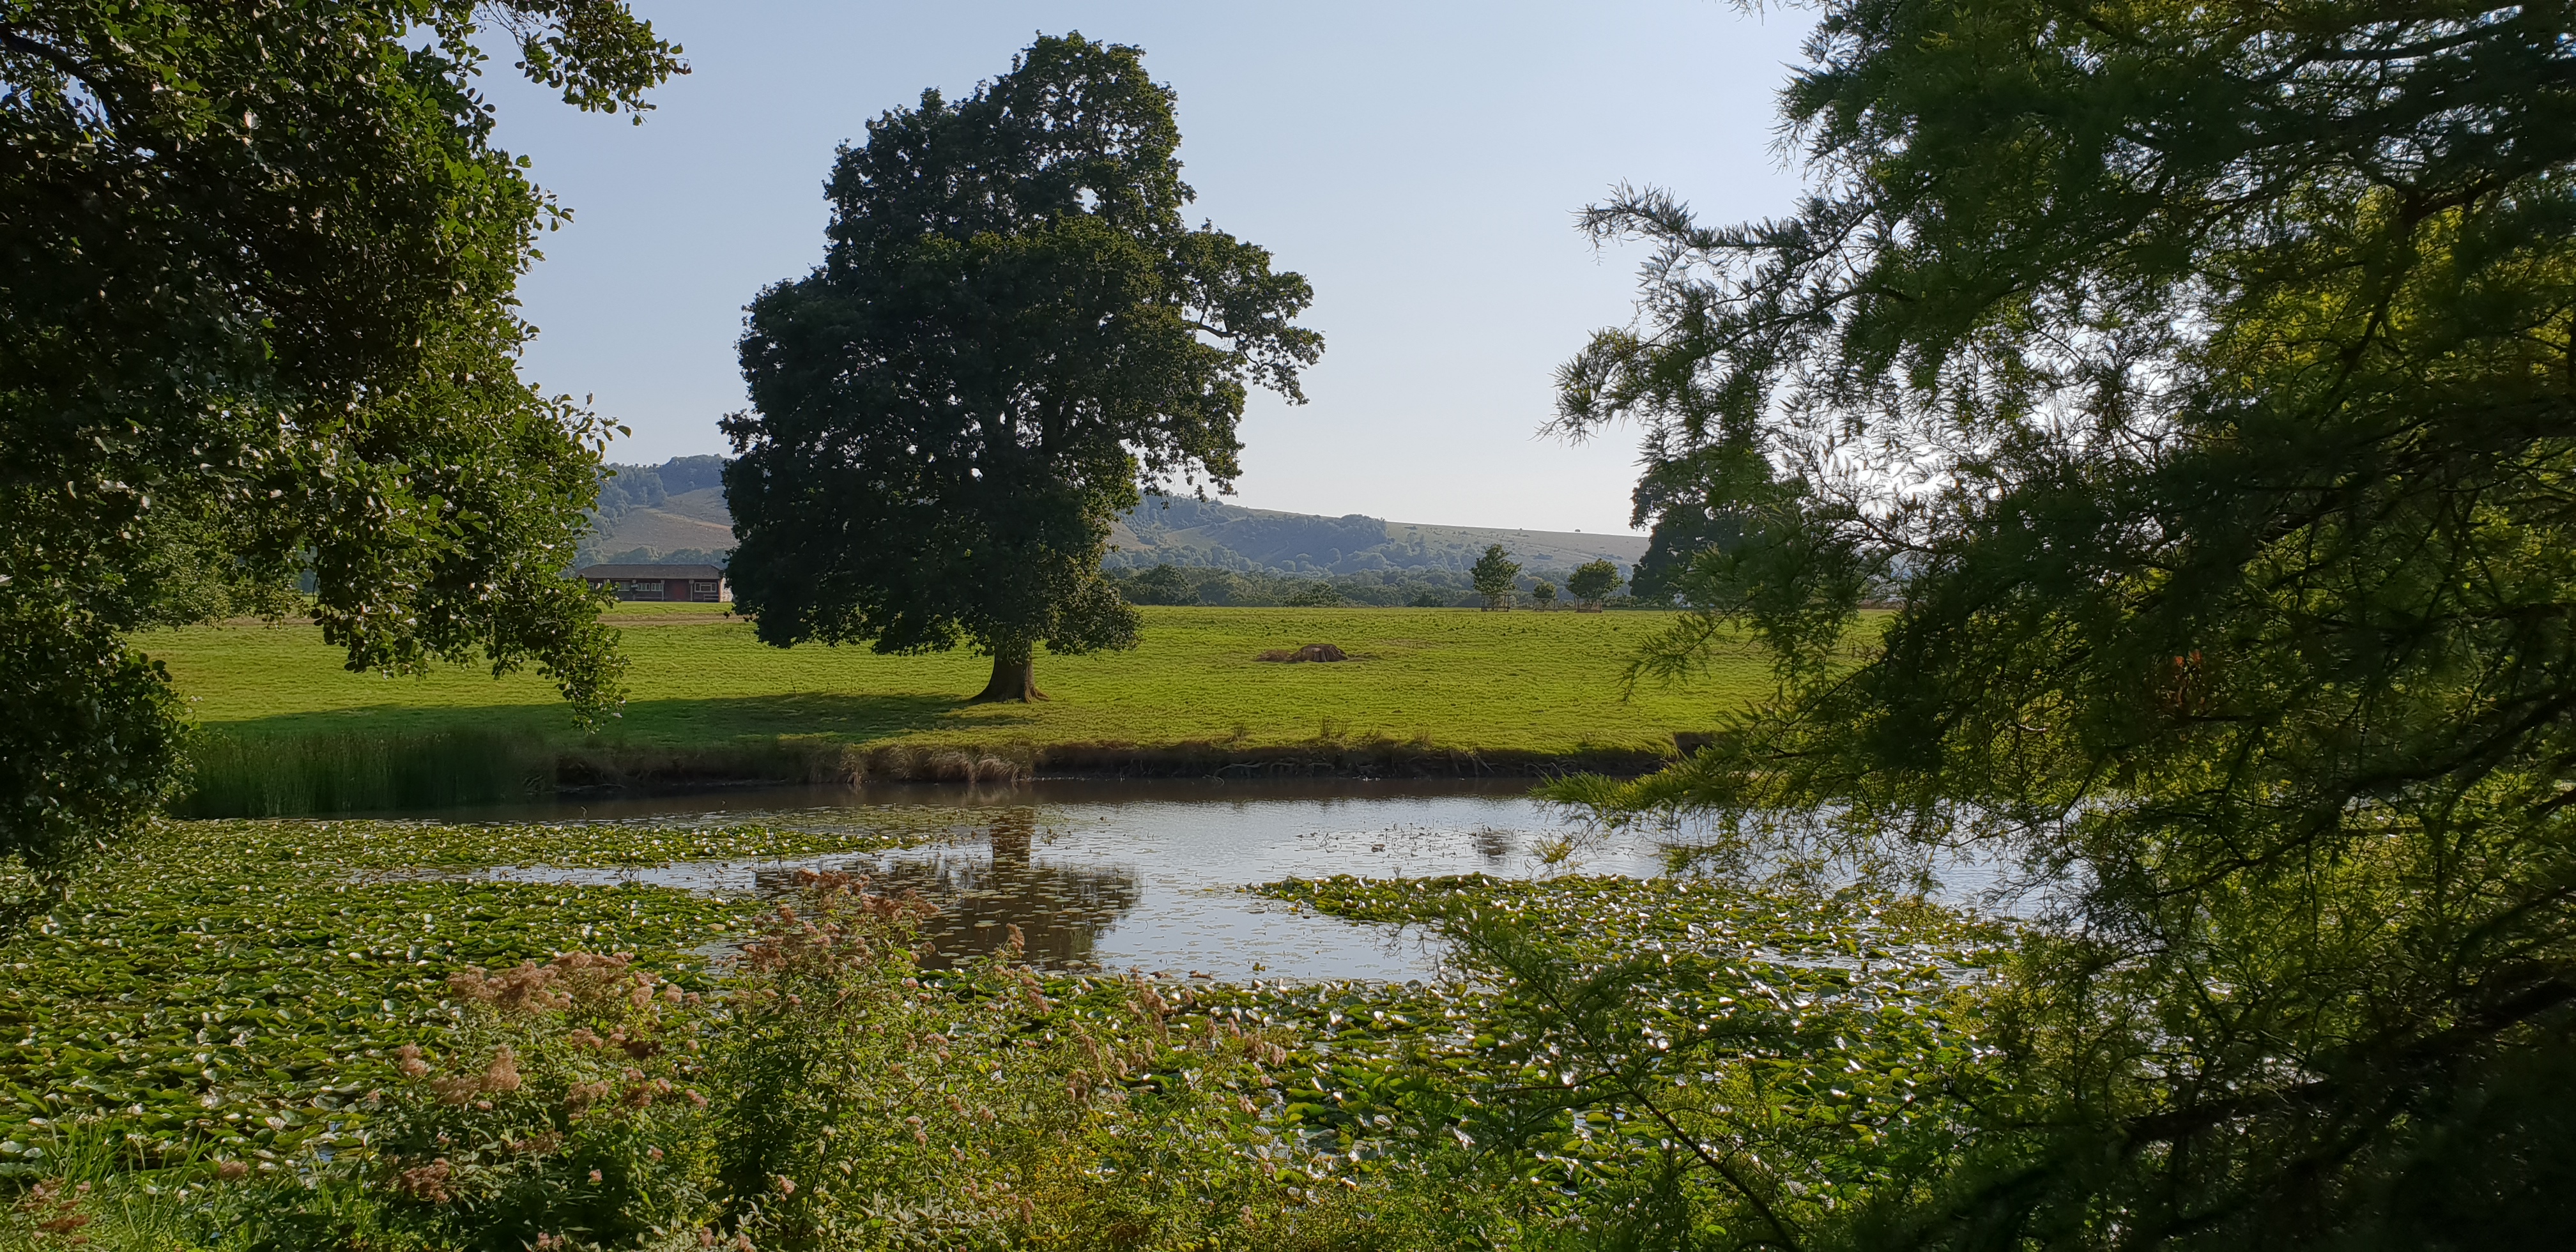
(1061, 910)
(1132, 876)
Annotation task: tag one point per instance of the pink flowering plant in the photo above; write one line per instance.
(566, 1111)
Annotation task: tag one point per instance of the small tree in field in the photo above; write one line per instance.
(1011, 326)
(1545, 594)
(1592, 583)
(1493, 574)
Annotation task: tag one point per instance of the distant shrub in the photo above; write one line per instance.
(1593, 582)
(1163, 584)
(1315, 595)
(1493, 574)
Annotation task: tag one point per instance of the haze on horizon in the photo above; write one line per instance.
(1421, 165)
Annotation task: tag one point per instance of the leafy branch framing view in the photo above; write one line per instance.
(2141, 460)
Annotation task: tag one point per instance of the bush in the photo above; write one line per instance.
(1163, 584)
(1592, 582)
(569, 1108)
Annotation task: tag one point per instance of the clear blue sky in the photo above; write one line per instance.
(1421, 164)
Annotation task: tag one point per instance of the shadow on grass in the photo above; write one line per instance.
(409, 757)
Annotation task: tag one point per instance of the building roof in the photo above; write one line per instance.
(648, 571)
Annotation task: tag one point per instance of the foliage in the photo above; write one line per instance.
(1315, 595)
(2202, 373)
(1670, 1063)
(259, 262)
(562, 1109)
(1686, 515)
(828, 1093)
(1262, 540)
(314, 1016)
(1493, 574)
(90, 746)
(1592, 583)
(227, 989)
(1162, 584)
(1012, 323)
(1544, 593)
(1236, 588)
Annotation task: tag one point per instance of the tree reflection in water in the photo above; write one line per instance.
(1060, 910)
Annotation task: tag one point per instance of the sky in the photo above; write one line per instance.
(1420, 164)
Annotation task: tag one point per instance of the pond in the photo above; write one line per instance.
(1149, 876)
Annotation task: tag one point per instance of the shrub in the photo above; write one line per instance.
(1592, 582)
(1493, 574)
(1163, 584)
(569, 1107)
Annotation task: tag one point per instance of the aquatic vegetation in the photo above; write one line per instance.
(241, 983)
(323, 1033)
(1668, 1059)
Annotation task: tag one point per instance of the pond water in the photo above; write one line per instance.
(1146, 876)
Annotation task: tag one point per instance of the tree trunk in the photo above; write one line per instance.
(1014, 678)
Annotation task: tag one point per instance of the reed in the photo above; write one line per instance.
(313, 772)
(358, 771)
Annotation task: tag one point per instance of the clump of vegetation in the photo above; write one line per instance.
(1591, 583)
(829, 1092)
(204, 407)
(285, 1035)
(2176, 431)
(1494, 573)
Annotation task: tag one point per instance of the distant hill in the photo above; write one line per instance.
(1186, 532)
(676, 511)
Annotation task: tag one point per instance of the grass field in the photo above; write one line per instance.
(1539, 682)
(291, 731)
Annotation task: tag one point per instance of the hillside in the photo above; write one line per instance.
(654, 514)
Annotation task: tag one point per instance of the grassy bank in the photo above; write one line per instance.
(1436, 691)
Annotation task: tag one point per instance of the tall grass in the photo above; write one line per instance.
(356, 771)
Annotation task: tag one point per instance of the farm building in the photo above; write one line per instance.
(701, 583)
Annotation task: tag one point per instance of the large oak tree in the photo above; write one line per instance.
(257, 261)
(1012, 325)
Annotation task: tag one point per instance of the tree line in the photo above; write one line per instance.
(1592, 585)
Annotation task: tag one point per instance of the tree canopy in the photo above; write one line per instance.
(1011, 327)
(2206, 378)
(1493, 574)
(1593, 581)
(258, 271)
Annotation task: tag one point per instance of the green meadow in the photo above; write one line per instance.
(276, 703)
